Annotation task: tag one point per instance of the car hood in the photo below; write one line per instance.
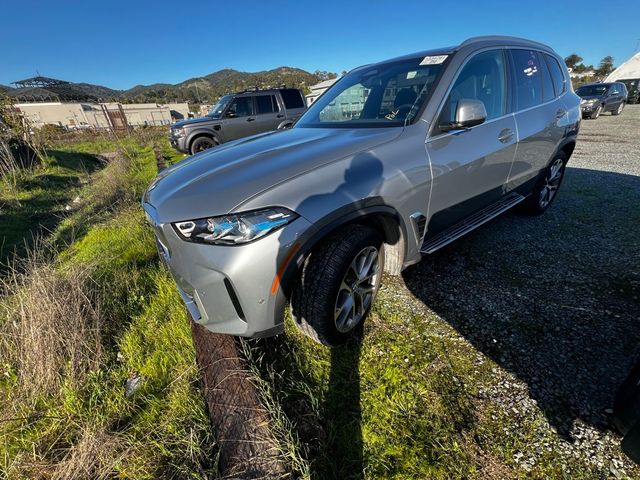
(193, 121)
(216, 181)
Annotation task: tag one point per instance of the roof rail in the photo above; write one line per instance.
(502, 38)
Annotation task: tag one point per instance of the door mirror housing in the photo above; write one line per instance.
(469, 113)
(231, 115)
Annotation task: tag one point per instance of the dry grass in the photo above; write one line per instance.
(9, 166)
(110, 187)
(52, 327)
(96, 455)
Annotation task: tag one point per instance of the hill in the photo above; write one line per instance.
(210, 87)
(206, 89)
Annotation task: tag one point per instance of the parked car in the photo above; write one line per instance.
(626, 414)
(396, 160)
(239, 115)
(633, 89)
(598, 98)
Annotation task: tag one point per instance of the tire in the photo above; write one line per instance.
(597, 113)
(202, 143)
(547, 186)
(618, 110)
(336, 288)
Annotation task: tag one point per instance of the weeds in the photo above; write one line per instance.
(53, 325)
(85, 311)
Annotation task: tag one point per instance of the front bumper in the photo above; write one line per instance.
(588, 108)
(230, 289)
(179, 143)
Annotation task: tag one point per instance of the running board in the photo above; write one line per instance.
(470, 223)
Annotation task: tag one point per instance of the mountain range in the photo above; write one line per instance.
(206, 89)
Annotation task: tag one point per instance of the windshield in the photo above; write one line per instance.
(217, 109)
(387, 95)
(592, 90)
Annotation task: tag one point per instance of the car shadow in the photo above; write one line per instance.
(552, 299)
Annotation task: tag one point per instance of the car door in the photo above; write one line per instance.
(614, 97)
(239, 119)
(470, 167)
(268, 115)
(538, 116)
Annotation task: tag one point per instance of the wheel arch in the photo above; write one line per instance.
(202, 133)
(567, 147)
(383, 218)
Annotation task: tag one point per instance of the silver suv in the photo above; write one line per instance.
(394, 161)
(238, 115)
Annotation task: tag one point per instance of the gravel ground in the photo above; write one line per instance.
(554, 300)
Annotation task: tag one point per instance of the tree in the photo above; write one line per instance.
(606, 66)
(573, 60)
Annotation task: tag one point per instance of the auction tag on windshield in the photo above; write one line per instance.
(433, 60)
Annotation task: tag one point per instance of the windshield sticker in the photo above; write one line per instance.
(433, 60)
(411, 75)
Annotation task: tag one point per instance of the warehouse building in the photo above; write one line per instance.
(47, 101)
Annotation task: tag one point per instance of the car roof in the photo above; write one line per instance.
(479, 42)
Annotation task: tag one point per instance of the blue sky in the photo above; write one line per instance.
(120, 44)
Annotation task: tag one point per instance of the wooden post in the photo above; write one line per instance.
(240, 423)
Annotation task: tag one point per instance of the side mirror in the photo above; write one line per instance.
(231, 115)
(469, 113)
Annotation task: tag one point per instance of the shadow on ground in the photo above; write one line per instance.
(553, 299)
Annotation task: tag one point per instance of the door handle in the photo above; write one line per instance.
(250, 119)
(505, 135)
(561, 113)
(279, 115)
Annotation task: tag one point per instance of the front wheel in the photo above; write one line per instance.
(202, 143)
(338, 285)
(547, 186)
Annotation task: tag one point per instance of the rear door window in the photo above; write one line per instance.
(266, 104)
(548, 93)
(556, 75)
(292, 98)
(527, 78)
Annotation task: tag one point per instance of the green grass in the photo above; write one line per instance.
(406, 403)
(89, 423)
(39, 197)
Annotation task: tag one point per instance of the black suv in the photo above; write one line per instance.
(239, 115)
(633, 86)
(598, 98)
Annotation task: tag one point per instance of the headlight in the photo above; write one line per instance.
(178, 132)
(236, 228)
(591, 101)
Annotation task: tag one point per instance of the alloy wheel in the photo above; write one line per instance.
(357, 289)
(551, 183)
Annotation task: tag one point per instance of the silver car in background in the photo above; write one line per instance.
(394, 161)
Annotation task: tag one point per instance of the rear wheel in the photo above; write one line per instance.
(202, 143)
(338, 285)
(547, 186)
(618, 110)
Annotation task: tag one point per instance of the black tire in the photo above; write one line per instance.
(202, 143)
(618, 110)
(321, 286)
(534, 204)
(597, 113)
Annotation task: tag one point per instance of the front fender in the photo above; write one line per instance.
(208, 131)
